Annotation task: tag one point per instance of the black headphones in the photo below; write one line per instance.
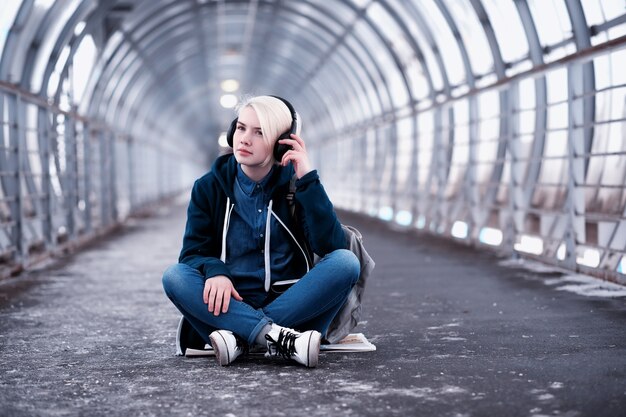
(279, 148)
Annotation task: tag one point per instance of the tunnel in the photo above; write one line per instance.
(491, 129)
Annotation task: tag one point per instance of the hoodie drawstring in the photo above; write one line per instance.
(266, 249)
(229, 210)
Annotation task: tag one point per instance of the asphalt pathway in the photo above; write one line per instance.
(458, 332)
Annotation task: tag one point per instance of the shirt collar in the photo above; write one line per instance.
(247, 185)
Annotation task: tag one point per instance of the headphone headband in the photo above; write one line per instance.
(279, 149)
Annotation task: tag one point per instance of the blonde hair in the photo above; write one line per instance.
(274, 116)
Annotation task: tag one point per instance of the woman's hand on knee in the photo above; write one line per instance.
(217, 293)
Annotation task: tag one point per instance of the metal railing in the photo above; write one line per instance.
(64, 178)
(561, 201)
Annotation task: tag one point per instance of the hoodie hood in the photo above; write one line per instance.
(225, 171)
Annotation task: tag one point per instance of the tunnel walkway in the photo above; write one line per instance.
(458, 334)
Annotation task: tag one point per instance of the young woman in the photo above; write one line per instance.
(248, 238)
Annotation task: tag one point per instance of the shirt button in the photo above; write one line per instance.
(262, 251)
(260, 211)
(261, 235)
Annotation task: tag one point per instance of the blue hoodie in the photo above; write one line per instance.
(314, 225)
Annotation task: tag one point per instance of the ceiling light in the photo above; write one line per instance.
(230, 85)
(228, 101)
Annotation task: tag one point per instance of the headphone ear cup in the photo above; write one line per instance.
(280, 149)
(230, 133)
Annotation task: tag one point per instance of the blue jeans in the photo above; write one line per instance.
(309, 304)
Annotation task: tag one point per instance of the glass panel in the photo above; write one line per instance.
(318, 14)
(527, 109)
(360, 3)
(557, 85)
(53, 84)
(53, 31)
(417, 80)
(460, 151)
(508, 28)
(381, 54)
(8, 11)
(488, 134)
(425, 137)
(553, 25)
(338, 10)
(609, 70)
(446, 44)
(83, 62)
(473, 35)
(359, 82)
(432, 68)
(608, 134)
(598, 12)
(389, 28)
(405, 150)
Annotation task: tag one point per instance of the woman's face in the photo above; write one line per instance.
(249, 146)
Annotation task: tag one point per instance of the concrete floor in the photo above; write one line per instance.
(459, 333)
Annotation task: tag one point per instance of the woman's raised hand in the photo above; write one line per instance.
(297, 155)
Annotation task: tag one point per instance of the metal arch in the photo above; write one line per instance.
(66, 38)
(141, 57)
(471, 79)
(164, 78)
(364, 48)
(248, 33)
(336, 36)
(202, 35)
(412, 101)
(340, 40)
(581, 112)
(14, 110)
(111, 75)
(108, 71)
(33, 49)
(11, 42)
(470, 190)
(346, 76)
(499, 67)
(161, 46)
(416, 48)
(541, 102)
(266, 40)
(284, 58)
(132, 46)
(582, 38)
(351, 52)
(441, 156)
(39, 204)
(76, 41)
(338, 69)
(141, 51)
(144, 19)
(361, 13)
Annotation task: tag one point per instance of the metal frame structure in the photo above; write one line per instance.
(426, 113)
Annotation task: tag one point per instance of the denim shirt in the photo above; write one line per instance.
(245, 240)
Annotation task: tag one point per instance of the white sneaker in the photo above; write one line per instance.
(227, 346)
(303, 348)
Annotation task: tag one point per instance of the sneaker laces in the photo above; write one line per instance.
(285, 346)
